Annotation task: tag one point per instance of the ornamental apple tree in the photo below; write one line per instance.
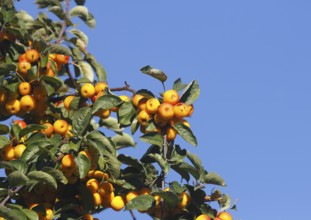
(56, 108)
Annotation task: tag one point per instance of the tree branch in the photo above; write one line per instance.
(64, 25)
(124, 88)
(4, 201)
(132, 214)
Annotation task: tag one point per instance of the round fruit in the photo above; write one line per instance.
(225, 216)
(21, 123)
(87, 90)
(142, 104)
(166, 111)
(23, 67)
(171, 133)
(24, 88)
(144, 117)
(61, 59)
(3, 96)
(203, 217)
(87, 217)
(19, 150)
(68, 161)
(190, 109)
(152, 105)
(159, 121)
(97, 199)
(100, 87)
(145, 191)
(157, 200)
(180, 110)
(27, 103)
(49, 130)
(92, 185)
(171, 96)
(136, 98)
(32, 55)
(117, 203)
(131, 195)
(49, 214)
(60, 127)
(184, 200)
(100, 175)
(67, 101)
(7, 153)
(103, 113)
(12, 106)
(105, 188)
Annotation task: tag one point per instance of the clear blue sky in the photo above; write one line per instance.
(252, 61)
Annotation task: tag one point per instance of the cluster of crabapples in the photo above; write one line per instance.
(31, 97)
(164, 115)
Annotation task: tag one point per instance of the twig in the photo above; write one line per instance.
(64, 25)
(124, 88)
(163, 180)
(132, 214)
(4, 201)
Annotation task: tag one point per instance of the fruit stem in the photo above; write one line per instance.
(4, 201)
(132, 214)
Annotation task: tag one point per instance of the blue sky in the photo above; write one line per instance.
(252, 61)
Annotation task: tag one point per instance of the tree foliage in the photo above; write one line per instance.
(59, 162)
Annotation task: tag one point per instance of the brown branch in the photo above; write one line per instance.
(132, 214)
(64, 25)
(127, 87)
(4, 201)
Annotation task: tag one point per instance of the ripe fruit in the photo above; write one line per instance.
(12, 106)
(21, 123)
(32, 55)
(136, 98)
(100, 87)
(24, 88)
(97, 199)
(103, 113)
(60, 127)
(7, 153)
(166, 111)
(100, 175)
(159, 121)
(19, 150)
(68, 161)
(23, 67)
(105, 188)
(3, 96)
(87, 154)
(27, 103)
(49, 130)
(152, 105)
(180, 110)
(225, 216)
(145, 191)
(171, 96)
(142, 104)
(144, 117)
(67, 101)
(61, 59)
(190, 109)
(171, 133)
(49, 214)
(131, 195)
(87, 217)
(117, 203)
(203, 217)
(92, 185)
(87, 90)
(157, 199)
(184, 200)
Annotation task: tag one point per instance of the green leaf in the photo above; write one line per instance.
(30, 128)
(141, 202)
(47, 3)
(41, 176)
(80, 35)
(126, 113)
(83, 13)
(195, 160)
(30, 214)
(17, 178)
(174, 186)
(212, 178)
(178, 85)
(123, 140)
(87, 197)
(169, 198)
(189, 169)
(106, 102)
(134, 125)
(4, 142)
(153, 138)
(155, 73)
(55, 48)
(80, 2)
(58, 11)
(4, 129)
(81, 120)
(146, 93)
(162, 162)
(131, 161)
(100, 142)
(84, 165)
(191, 93)
(11, 214)
(113, 165)
(224, 202)
(6, 68)
(57, 174)
(99, 69)
(110, 123)
(186, 133)
(183, 173)
(86, 70)
(19, 165)
(52, 81)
